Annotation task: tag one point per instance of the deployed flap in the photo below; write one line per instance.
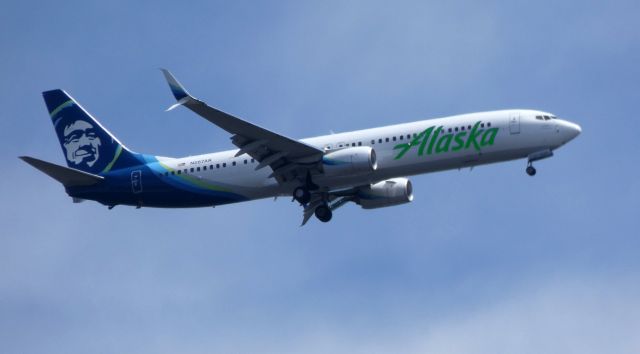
(69, 177)
(262, 144)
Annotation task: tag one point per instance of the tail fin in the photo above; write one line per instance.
(86, 144)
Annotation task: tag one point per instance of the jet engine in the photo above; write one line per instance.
(350, 161)
(387, 193)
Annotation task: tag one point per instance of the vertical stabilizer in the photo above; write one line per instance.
(86, 144)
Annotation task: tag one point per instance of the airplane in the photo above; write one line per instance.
(368, 167)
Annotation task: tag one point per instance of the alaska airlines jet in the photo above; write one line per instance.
(368, 167)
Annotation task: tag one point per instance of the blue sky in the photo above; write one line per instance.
(483, 261)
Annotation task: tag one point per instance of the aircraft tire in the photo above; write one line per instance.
(323, 213)
(302, 195)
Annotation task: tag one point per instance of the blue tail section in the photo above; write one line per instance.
(86, 144)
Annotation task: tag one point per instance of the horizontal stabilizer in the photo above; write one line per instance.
(69, 177)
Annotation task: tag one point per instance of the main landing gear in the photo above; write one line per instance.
(320, 205)
(323, 212)
(531, 171)
(302, 195)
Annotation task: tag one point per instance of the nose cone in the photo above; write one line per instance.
(574, 130)
(570, 130)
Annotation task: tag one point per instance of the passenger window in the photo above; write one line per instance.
(455, 129)
(359, 143)
(482, 125)
(394, 138)
(198, 169)
(224, 164)
(233, 163)
(489, 125)
(253, 160)
(462, 128)
(179, 172)
(380, 141)
(408, 136)
(245, 161)
(469, 127)
(387, 140)
(191, 169)
(173, 173)
(373, 141)
(217, 165)
(401, 137)
(450, 130)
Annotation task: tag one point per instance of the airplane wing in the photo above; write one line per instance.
(288, 158)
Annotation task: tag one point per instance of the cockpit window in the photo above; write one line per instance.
(539, 117)
(546, 117)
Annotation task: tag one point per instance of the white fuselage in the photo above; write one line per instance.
(518, 134)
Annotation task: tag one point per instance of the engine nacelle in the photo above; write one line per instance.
(387, 193)
(350, 161)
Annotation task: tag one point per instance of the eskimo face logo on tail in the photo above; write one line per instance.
(81, 143)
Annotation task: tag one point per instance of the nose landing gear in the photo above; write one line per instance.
(538, 155)
(531, 171)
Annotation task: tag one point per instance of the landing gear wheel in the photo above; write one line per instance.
(323, 213)
(531, 171)
(302, 195)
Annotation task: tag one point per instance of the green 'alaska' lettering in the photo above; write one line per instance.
(431, 140)
(407, 146)
(473, 136)
(443, 143)
(459, 141)
(489, 136)
(427, 134)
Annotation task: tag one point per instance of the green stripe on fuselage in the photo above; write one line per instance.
(192, 180)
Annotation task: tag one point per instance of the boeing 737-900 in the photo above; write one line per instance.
(368, 167)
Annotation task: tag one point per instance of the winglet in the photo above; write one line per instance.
(179, 92)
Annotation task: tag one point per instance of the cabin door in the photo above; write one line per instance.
(514, 123)
(136, 181)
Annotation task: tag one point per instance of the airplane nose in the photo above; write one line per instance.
(571, 130)
(574, 129)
